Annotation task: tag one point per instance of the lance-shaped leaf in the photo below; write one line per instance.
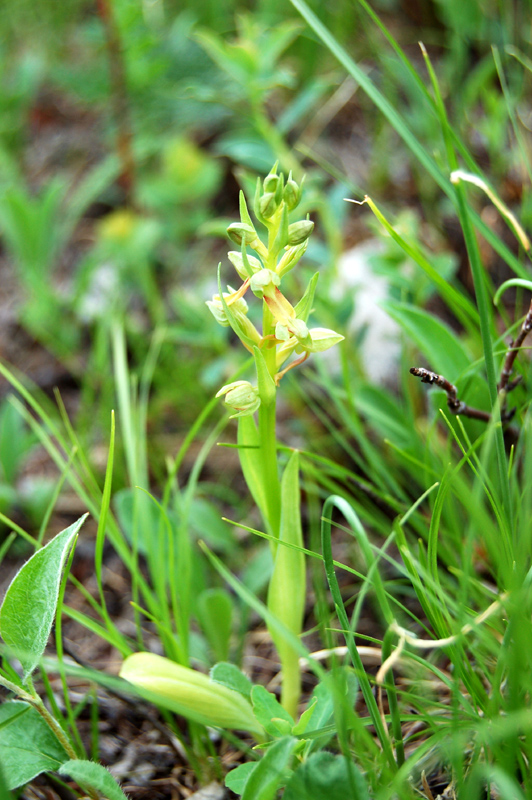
(30, 602)
(304, 307)
(93, 775)
(286, 595)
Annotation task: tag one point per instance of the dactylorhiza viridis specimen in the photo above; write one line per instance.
(285, 342)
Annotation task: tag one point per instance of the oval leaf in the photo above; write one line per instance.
(93, 775)
(326, 775)
(27, 745)
(30, 602)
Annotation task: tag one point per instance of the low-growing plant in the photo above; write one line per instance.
(27, 614)
(284, 334)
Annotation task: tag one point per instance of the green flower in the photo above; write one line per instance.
(242, 397)
(232, 298)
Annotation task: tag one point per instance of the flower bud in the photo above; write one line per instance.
(237, 261)
(270, 182)
(240, 396)
(298, 232)
(292, 193)
(189, 693)
(239, 231)
(290, 258)
(268, 205)
(320, 339)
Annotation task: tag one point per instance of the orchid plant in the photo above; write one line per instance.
(284, 342)
(285, 334)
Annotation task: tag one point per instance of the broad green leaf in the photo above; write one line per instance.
(286, 594)
(30, 602)
(236, 779)
(215, 612)
(269, 712)
(270, 772)
(326, 775)
(229, 675)
(441, 347)
(5, 794)
(27, 745)
(93, 775)
(207, 524)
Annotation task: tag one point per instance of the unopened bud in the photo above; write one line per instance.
(291, 194)
(299, 232)
(268, 205)
(188, 692)
(239, 231)
(270, 182)
(237, 261)
(320, 339)
(291, 257)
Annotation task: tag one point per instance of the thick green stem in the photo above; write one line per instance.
(268, 439)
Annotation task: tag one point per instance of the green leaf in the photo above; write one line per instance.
(236, 779)
(317, 715)
(230, 676)
(304, 307)
(326, 775)
(207, 523)
(93, 775)
(30, 602)
(269, 773)
(215, 611)
(27, 745)
(439, 344)
(302, 724)
(269, 712)
(5, 794)
(286, 593)
(265, 382)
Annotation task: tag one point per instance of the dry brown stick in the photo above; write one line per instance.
(505, 385)
(455, 405)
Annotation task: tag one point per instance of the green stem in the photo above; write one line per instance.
(268, 439)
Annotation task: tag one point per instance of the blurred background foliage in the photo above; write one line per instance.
(127, 125)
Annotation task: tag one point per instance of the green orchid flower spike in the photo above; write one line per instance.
(284, 342)
(285, 333)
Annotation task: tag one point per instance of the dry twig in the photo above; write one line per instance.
(457, 406)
